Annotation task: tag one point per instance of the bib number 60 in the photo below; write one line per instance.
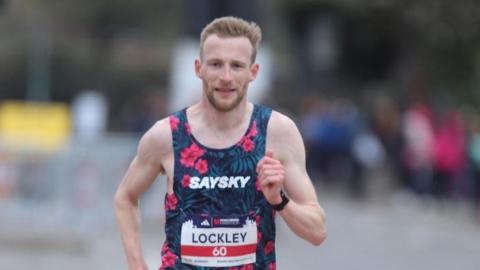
(219, 251)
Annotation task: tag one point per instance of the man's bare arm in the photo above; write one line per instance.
(145, 167)
(303, 214)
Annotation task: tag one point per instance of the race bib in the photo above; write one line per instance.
(218, 241)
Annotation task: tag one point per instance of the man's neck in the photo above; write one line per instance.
(222, 121)
(217, 129)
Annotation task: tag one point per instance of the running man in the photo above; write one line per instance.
(231, 166)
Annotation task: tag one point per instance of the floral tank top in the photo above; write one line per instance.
(217, 216)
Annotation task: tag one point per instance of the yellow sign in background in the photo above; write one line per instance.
(34, 125)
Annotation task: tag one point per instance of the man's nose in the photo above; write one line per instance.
(226, 74)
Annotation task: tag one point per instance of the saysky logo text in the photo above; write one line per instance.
(210, 182)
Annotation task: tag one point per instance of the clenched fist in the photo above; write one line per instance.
(271, 175)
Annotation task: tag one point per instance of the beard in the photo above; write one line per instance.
(225, 105)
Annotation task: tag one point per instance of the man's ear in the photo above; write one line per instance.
(254, 71)
(198, 68)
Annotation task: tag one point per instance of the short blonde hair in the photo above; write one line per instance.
(233, 27)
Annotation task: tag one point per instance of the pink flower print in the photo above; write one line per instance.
(168, 260)
(174, 123)
(248, 145)
(201, 166)
(259, 236)
(188, 129)
(165, 247)
(257, 220)
(253, 130)
(190, 154)
(272, 266)
(186, 180)
(233, 268)
(269, 247)
(171, 202)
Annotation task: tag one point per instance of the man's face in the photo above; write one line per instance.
(226, 70)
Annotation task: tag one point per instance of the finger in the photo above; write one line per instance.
(268, 162)
(269, 153)
(270, 183)
(272, 166)
(272, 175)
(260, 165)
(265, 161)
(273, 172)
(264, 174)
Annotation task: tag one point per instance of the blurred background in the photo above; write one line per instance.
(385, 92)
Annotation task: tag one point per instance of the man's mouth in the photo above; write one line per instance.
(224, 89)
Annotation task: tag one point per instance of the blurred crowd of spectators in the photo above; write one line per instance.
(432, 150)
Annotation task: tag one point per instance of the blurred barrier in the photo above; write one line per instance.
(69, 191)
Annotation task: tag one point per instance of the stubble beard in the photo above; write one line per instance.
(224, 106)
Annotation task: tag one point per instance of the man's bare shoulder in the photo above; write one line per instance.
(281, 125)
(284, 138)
(157, 140)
